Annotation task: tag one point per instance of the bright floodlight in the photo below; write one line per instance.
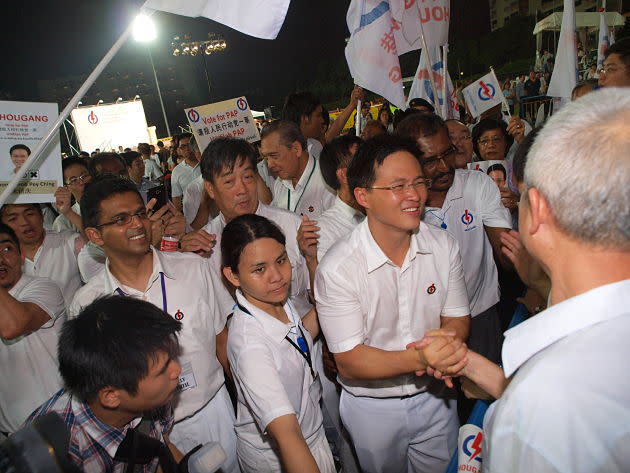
(144, 29)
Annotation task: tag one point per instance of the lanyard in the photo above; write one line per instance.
(305, 186)
(164, 305)
(443, 224)
(301, 346)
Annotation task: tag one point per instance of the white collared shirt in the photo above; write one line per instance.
(56, 259)
(334, 223)
(62, 222)
(567, 408)
(472, 202)
(182, 175)
(29, 363)
(314, 147)
(363, 298)
(191, 297)
(192, 200)
(289, 223)
(311, 195)
(271, 377)
(152, 170)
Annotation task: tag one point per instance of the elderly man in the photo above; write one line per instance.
(462, 139)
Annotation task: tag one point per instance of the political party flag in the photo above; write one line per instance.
(483, 94)
(415, 17)
(604, 42)
(565, 71)
(421, 86)
(371, 51)
(259, 18)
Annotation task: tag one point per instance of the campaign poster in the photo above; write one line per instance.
(232, 118)
(22, 127)
(497, 170)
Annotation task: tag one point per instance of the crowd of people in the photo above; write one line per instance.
(320, 301)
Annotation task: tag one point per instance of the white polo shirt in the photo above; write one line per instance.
(182, 175)
(334, 223)
(152, 170)
(363, 298)
(62, 222)
(190, 291)
(567, 407)
(289, 223)
(314, 147)
(271, 376)
(472, 202)
(311, 195)
(192, 199)
(91, 260)
(56, 260)
(29, 362)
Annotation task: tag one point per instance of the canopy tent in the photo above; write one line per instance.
(582, 20)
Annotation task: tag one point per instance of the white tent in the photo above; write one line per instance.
(582, 20)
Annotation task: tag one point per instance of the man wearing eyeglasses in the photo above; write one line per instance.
(389, 283)
(616, 68)
(75, 177)
(462, 139)
(183, 285)
(466, 204)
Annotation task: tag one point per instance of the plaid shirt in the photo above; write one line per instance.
(93, 444)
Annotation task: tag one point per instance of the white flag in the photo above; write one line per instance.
(604, 42)
(371, 51)
(259, 18)
(483, 94)
(414, 17)
(565, 70)
(421, 86)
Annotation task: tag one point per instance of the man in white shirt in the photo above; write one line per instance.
(391, 281)
(467, 205)
(152, 170)
(46, 253)
(75, 177)
(187, 170)
(299, 187)
(31, 312)
(184, 286)
(567, 405)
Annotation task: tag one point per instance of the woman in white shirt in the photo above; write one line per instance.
(279, 424)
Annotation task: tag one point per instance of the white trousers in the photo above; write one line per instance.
(213, 423)
(398, 435)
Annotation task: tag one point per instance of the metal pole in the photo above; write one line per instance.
(66, 111)
(205, 67)
(157, 85)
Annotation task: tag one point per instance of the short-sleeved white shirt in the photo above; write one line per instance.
(289, 223)
(472, 202)
(190, 289)
(29, 362)
(62, 222)
(363, 298)
(567, 408)
(334, 223)
(91, 260)
(182, 175)
(192, 199)
(272, 378)
(311, 195)
(56, 260)
(314, 147)
(152, 170)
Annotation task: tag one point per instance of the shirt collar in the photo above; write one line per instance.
(275, 329)
(563, 319)
(303, 178)
(456, 190)
(221, 217)
(347, 210)
(113, 284)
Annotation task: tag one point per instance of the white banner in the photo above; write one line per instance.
(604, 42)
(371, 51)
(483, 94)
(107, 127)
(259, 18)
(24, 124)
(231, 118)
(565, 71)
(413, 17)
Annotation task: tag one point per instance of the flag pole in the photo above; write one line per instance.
(436, 99)
(444, 76)
(505, 102)
(6, 193)
(357, 120)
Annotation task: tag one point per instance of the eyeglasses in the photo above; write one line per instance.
(124, 219)
(492, 139)
(431, 162)
(75, 180)
(402, 188)
(609, 69)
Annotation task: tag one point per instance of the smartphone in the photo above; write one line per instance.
(159, 193)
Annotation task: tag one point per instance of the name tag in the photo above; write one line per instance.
(186, 378)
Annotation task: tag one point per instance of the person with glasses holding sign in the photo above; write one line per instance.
(75, 177)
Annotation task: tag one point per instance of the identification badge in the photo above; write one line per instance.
(186, 378)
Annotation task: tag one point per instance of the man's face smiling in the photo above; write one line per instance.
(234, 191)
(18, 158)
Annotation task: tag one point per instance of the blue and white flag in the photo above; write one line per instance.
(483, 94)
(604, 41)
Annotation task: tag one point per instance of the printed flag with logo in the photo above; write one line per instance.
(483, 94)
(415, 17)
(604, 42)
(565, 70)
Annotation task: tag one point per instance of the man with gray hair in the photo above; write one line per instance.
(567, 405)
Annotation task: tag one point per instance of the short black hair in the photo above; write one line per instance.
(225, 153)
(621, 47)
(488, 124)
(289, 132)
(20, 146)
(335, 155)
(144, 148)
(243, 230)
(4, 228)
(37, 207)
(130, 157)
(84, 154)
(420, 124)
(520, 156)
(111, 342)
(299, 104)
(418, 102)
(497, 167)
(94, 164)
(73, 161)
(97, 191)
(401, 115)
(160, 143)
(372, 153)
